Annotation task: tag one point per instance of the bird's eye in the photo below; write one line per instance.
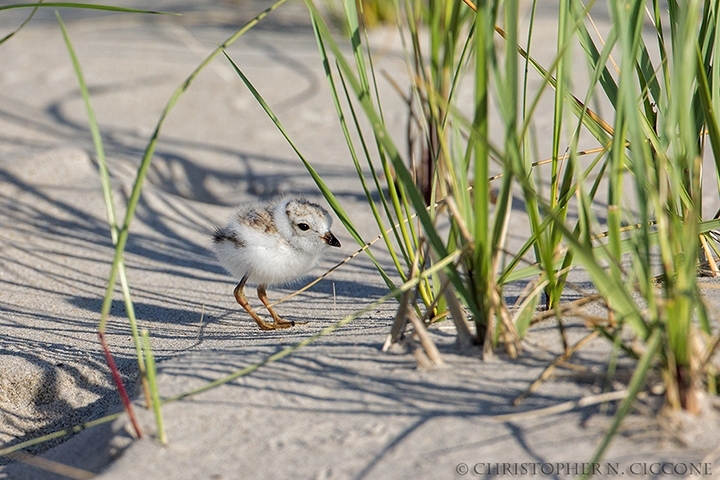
(303, 226)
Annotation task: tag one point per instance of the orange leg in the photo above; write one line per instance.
(242, 300)
(279, 322)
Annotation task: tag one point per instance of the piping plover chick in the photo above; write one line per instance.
(274, 243)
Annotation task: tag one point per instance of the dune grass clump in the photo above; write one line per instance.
(657, 71)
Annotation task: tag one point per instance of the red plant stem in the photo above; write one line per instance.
(118, 382)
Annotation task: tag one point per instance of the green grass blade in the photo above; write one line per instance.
(637, 381)
(88, 6)
(107, 191)
(598, 60)
(150, 151)
(396, 229)
(353, 153)
(324, 189)
(154, 394)
(404, 177)
(25, 22)
(600, 252)
(60, 433)
(709, 109)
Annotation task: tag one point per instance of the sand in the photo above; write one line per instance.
(337, 408)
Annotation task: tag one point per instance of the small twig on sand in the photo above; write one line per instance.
(550, 368)
(563, 407)
(51, 466)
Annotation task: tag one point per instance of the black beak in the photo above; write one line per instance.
(330, 239)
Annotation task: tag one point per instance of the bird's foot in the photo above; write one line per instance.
(273, 326)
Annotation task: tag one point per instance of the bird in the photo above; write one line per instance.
(272, 244)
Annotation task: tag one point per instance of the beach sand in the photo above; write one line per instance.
(336, 408)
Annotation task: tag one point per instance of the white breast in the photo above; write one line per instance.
(265, 259)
